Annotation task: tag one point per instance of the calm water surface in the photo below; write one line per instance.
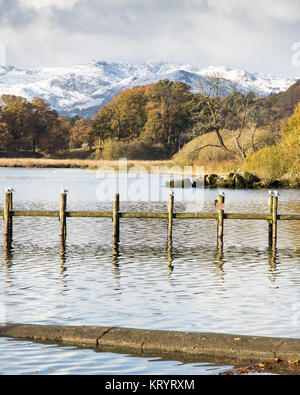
(245, 290)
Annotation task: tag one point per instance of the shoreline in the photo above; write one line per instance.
(139, 166)
(236, 350)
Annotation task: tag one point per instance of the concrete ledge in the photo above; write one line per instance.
(234, 347)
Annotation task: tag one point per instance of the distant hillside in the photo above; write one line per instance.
(84, 89)
(282, 105)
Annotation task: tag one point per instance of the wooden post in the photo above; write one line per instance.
(221, 207)
(270, 226)
(274, 220)
(10, 216)
(170, 219)
(116, 219)
(7, 219)
(62, 216)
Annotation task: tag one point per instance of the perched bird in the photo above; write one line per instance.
(9, 189)
(276, 193)
(222, 194)
(64, 190)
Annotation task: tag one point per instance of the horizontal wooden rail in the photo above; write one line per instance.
(256, 217)
(288, 217)
(272, 216)
(34, 213)
(88, 214)
(102, 214)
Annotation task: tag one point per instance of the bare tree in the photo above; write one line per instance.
(221, 107)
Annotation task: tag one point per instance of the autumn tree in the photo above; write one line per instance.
(282, 159)
(291, 141)
(102, 129)
(81, 133)
(57, 139)
(122, 118)
(156, 112)
(31, 125)
(168, 113)
(42, 121)
(14, 113)
(5, 139)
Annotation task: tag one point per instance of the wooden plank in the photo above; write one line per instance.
(88, 214)
(288, 217)
(248, 216)
(144, 215)
(34, 213)
(196, 215)
(103, 214)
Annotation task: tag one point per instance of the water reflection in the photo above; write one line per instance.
(7, 255)
(141, 282)
(62, 254)
(170, 259)
(220, 258)
(273, 262)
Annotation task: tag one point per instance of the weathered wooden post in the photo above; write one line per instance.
(62, 215)
(270, 225)
(170, 219)
(116, 219)
(220, 207)
(274, 220)
(10, 216)
(7, 217)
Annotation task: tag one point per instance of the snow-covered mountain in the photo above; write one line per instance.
(85, 88)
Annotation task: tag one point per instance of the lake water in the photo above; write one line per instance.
(245, 290)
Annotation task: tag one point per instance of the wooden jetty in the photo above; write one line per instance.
(272, 217)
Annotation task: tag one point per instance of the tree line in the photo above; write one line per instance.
(165, 113)
(32, 126)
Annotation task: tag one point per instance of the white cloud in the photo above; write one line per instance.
(281, 10)
(2, 54)
(250, 34)
(42, 4)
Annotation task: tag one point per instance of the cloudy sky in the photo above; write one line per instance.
(254, 35)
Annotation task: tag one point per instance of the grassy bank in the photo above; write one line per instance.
(221, 168)
(91, 164)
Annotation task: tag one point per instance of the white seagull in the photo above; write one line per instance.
(9, 189)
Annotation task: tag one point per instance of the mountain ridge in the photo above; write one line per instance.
(84, 88)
